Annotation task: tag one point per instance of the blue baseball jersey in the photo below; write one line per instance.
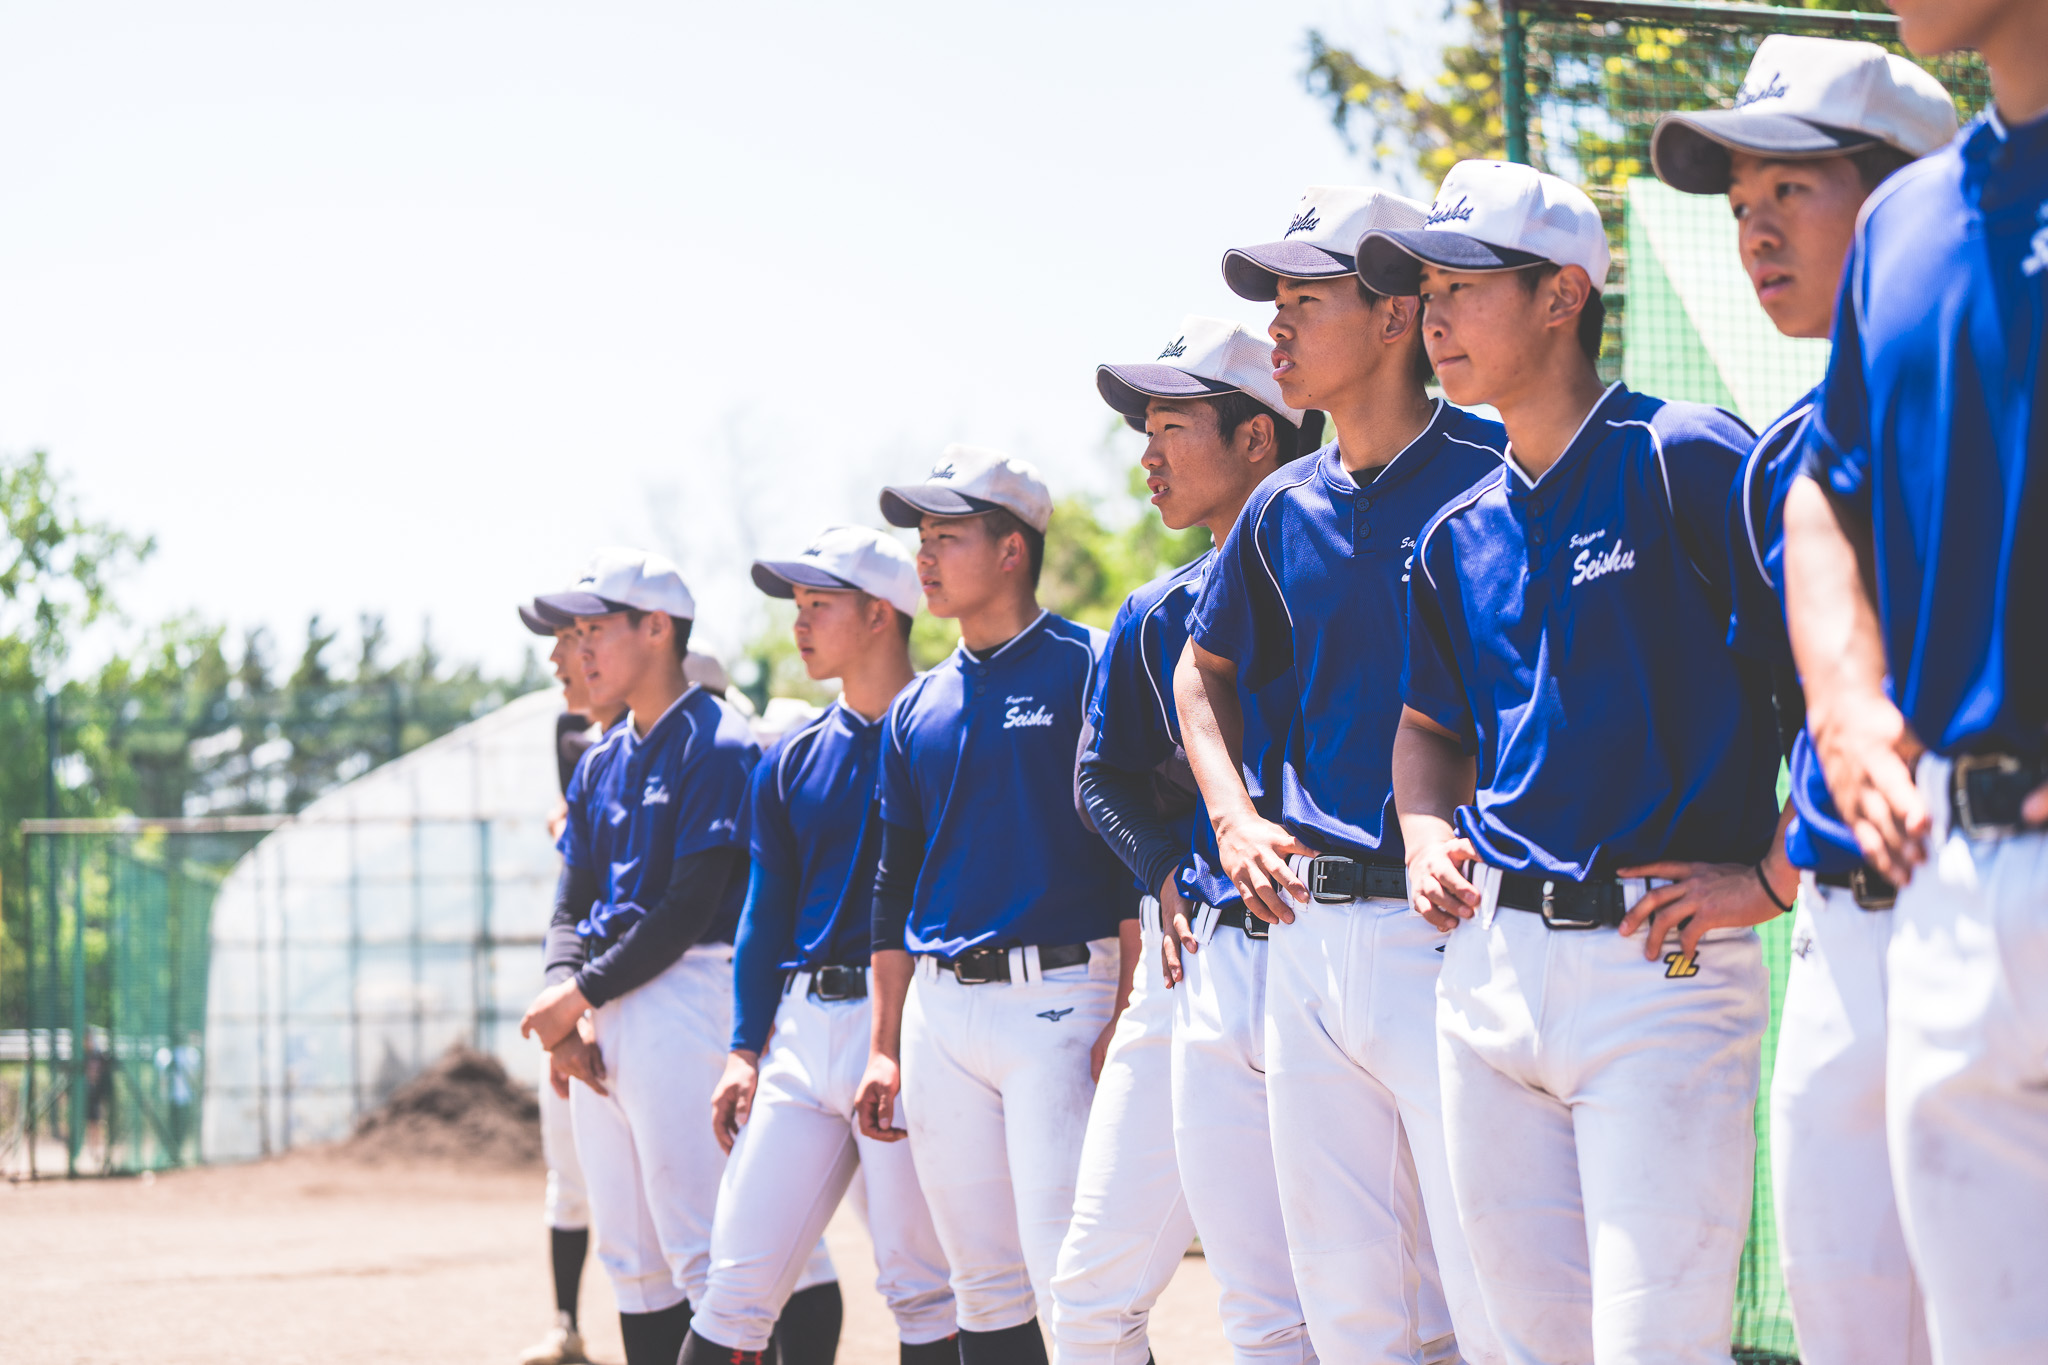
(1313, 580)
(978, 759)
(637, 805)
(1573, 631)
(1928, 429)
(1137, 724)
(811, 813)
(1816, 838)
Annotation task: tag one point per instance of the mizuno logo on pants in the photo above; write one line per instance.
(1056, 1015)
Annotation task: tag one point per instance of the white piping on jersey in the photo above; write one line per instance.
(1145, 657)
(1435, 414)
(619, 731)
(1450, 509)
(1258, 524)
(796, 736)
(1657, 444)
(1749, 467)
(1084, 736)
(1004, 648)
(1512, 463)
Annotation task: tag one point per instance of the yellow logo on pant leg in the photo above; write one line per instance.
(1681, 964)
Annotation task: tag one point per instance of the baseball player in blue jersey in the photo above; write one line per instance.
(1817, 125)
(1215, 426)
(998, 900)
(1582, 753)
(1310, 583)
(1915, 558)
(785, 1111)
(639, 956)
(567, 1208)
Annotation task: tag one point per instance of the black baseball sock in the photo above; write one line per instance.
(807, 1333)
(699, 1351)
(567, 1247)
(944, 1351)
(1019, 1345)
(655, 1338)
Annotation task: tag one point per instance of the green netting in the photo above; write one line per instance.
(1682, 320)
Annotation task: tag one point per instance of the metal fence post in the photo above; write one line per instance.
(75, 1139)
(483, 996)
(1514, 78)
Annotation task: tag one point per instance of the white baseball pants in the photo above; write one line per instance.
(1600, 1115)
(567, 1207)
(997, 1091)
(1130, 1225)
(794, 1160)
(1854, 1298)
(1225, 1147)
(649, 1159)
(1358, 1145)
(1966, 1086)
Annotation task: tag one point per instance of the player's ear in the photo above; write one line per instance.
(1259, 439)
(1567, 290)
(1403, 312)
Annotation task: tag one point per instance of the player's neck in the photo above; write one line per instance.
(605, 717)
(1545, 413)
(1380, 419)
(872, 683)
(999, 621)
(2017, 57)
(649, 701)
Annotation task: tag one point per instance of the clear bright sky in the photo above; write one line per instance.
(404, 307)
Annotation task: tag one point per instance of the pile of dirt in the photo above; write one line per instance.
(462, 1108)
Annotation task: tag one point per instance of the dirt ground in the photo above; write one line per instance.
(318, 1259)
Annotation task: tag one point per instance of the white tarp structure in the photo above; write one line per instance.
(394, 916)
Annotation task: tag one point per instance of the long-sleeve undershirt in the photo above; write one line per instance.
(896, 874)
(1125, 809)
(700, 885)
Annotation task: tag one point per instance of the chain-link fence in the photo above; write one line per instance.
(1585, 84)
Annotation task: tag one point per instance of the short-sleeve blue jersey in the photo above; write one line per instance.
(1313, 580)
(1137, 724)
(637, 805)
(1573, 631)
(1929, 430)
(978, 759)
(811, 819)
(1815, 838)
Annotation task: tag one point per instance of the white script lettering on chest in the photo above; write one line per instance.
(1590, 564)
(1022, 713)
(655, 794)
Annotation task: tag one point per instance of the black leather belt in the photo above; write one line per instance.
(1871, 889)
(1987, 790)
(1565, 904)
(1238, 917)
(1335, 881)
(833, 982)
(985, 966)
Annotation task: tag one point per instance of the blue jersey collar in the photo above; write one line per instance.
(1339, 479)
(633, 739)
(965, 656)
(1520, 485)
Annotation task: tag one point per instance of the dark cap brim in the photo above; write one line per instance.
(907, 505)
(1690, 151)
(573, 604)
(1254, 272)
(782, 577)
(1391, 262)
(1128, 388)
(541, 621)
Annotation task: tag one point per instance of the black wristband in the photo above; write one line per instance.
(1765, 882)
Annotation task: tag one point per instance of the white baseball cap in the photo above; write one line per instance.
(842, 558)
(543, 620)
(1491, 215)
(971, 479)
(1806, 97)
(619, 578)
(1321, 239)
(1207, 356)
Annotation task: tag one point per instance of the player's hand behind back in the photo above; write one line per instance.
(1178, 934)
(875, 1102)
(732, 1102)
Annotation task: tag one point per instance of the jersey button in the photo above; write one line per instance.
(1536, 536)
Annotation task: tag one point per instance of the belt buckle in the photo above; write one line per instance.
(1959, 793)
(961, 969)
(1556, 921)
(830, 983)
(1863, 888)
(1254, 927)
(1318, 880)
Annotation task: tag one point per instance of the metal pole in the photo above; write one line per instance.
(284, 1001)
(355, 971)
(1514, 77)
(75, 1139)
(482, 998)
(262, 1021)
(419, 968)
(28, 1003)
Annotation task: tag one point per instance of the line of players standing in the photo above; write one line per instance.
(1393, 927)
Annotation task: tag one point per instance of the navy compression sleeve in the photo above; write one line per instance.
(895, 885)
(1126, 815)
(767, 938)
(562, 952)
(699, 887)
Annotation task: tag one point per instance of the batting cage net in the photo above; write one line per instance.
(1585, 84)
